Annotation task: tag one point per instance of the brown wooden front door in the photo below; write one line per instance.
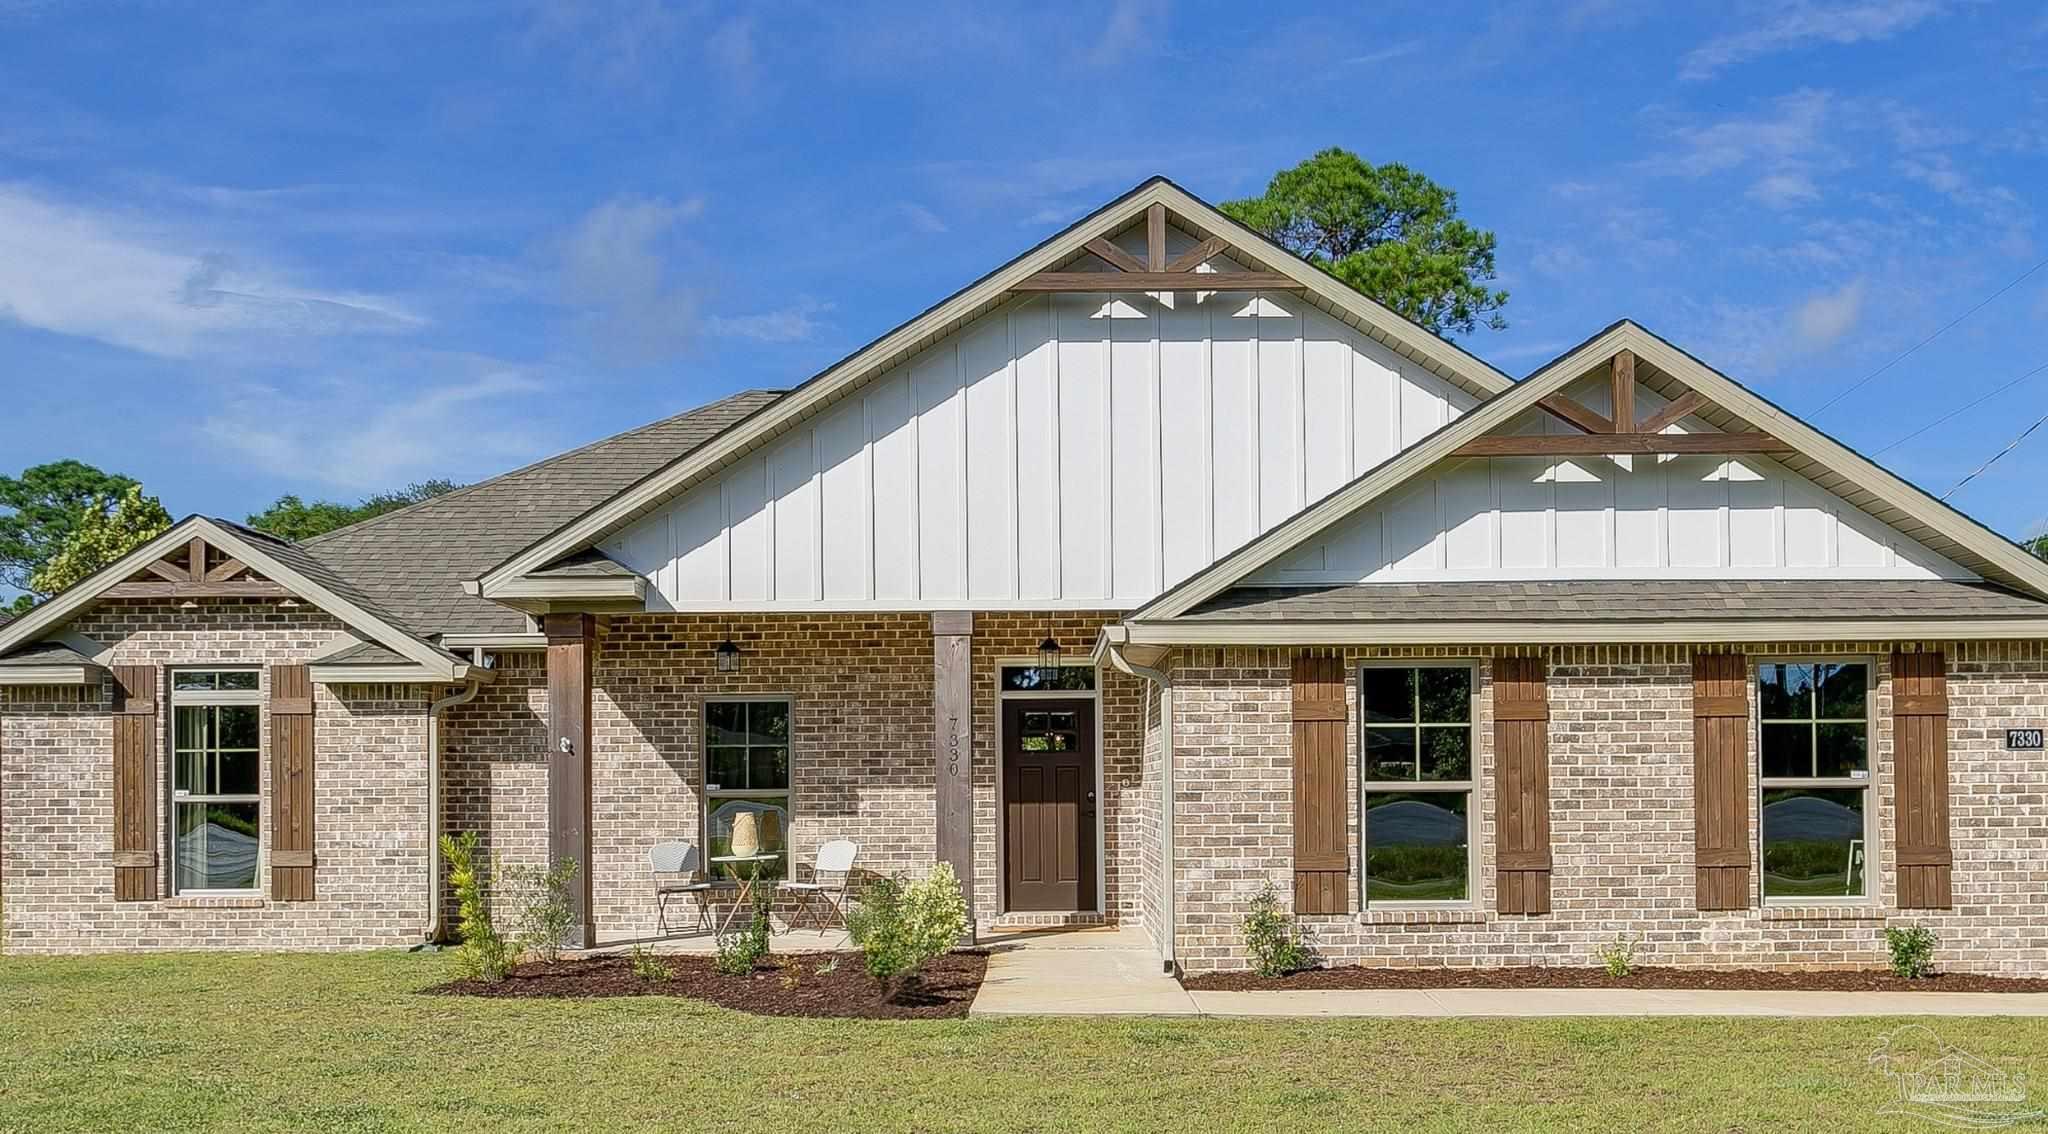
(1049, 804)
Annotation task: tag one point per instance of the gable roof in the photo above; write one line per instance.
(415, 560)
(279, 560)
(1663, 367)
(1192, 214)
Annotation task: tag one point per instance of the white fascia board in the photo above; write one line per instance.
(1538, 633)
(390, 673)
(863, 364)
(572, 590)
(50, 675)
(501, 643)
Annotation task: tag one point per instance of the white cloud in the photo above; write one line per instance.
(922, 219)
(1132, 27)
(361, 436)
(787, 325)
(1385, 54)
(1823, 319)
(1560, 261)
(614, 268)
(1790, 132)
(626, 43)
(137, 283)
(1783, 190)
(1794, 26)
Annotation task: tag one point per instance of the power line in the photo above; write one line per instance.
(1946, 327)
(1958, 412)
(2038, 422)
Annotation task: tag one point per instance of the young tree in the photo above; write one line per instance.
(1387, 231)
(43, 506)
(106, 530)
(295, 519)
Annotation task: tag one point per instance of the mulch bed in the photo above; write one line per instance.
(794, 984)
(1732, 980)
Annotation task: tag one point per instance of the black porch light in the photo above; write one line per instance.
(728, 655)
(1049, 653)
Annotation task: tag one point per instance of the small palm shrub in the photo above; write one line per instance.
(1912, 948)
(1277, 945)
(1619, 955)
(543, 915)
(484, 954)
(900, 927)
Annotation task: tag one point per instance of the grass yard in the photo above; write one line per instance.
(345, 1043)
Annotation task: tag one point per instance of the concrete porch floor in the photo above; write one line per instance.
(702, 942)
(1111, 970)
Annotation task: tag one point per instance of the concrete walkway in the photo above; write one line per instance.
(1103, 971)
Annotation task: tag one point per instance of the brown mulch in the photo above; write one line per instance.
(793, 984)
(1732, 980)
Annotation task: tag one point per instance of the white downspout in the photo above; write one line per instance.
(1164, 684)
(462, 696)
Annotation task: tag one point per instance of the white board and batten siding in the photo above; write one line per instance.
(1064, 451)
(1692, 517)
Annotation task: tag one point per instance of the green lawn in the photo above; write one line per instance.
(345, 1044)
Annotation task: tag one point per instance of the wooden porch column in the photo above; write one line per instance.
(570, 638)
(953, 745)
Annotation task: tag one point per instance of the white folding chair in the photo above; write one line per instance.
(831, 871)
(678, 871)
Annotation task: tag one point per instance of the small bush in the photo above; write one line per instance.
(739, 952)
(543, 915)
(649, 967)
(1277, 945)
(901, 927)
(1619, 955)
(483, 955)
(1912, 949)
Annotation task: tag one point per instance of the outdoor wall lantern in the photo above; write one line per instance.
(1049, 653)
(728, 655)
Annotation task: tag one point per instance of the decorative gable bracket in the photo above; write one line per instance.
(1622, 433)
(1156, 272)
(196, 570)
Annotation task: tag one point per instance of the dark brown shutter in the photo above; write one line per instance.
(1920, 732)
(1720, 777)
(1521, 745)
(1322, 852)
(291, 784)
(135, 798)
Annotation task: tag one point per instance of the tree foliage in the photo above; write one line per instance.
(1387, 231)
(295, 519)
(43, 505)
(105, 531)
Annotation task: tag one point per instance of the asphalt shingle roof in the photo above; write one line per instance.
(46, 653)
(412, 562)
(1619, 600)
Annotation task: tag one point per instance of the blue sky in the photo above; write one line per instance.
(333, 249)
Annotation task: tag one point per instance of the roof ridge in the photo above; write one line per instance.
(533, 465)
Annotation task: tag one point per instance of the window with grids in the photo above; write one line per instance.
(1417, 782)
(216, 780)
(746, 788)
(1814, 750)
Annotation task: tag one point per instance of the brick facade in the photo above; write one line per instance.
(56, 798)
(1621, 807)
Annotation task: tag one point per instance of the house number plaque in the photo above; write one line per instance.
(2023, 739)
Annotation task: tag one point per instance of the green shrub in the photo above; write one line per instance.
(1912, 949)
(649, 966)
(739, 952)
(901, 927)
(1277, 945)
(543, 915)
(484, 955)
(1619, 955)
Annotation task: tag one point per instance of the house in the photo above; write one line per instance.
(1152, 568)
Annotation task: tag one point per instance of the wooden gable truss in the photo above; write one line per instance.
(197, 570)
(1622, 433)
(1155, 272)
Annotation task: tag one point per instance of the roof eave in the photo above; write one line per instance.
(1542, 632)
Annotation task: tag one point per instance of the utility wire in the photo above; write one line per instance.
(1946, 327)
(2038, 422)
(1958, 412)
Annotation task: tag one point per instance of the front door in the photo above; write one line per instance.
(1049, 804)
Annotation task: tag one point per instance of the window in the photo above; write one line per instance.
(746, 787)
(1417, 777)
(216, 780)
(1034, 679)
(1814, 752)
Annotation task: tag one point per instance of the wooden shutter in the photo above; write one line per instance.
(1720, 776)
(1920, 766)
(1521, 752)
(135, 794)
(291, 784)
(1322, 851)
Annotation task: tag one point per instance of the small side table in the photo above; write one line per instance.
(747, 879)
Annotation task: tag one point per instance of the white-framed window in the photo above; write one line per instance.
(746, 786)
(1416, 749)
(1813, 756)
(216, 781)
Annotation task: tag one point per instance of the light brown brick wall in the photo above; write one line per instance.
(56, 798)
(1621, 807)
